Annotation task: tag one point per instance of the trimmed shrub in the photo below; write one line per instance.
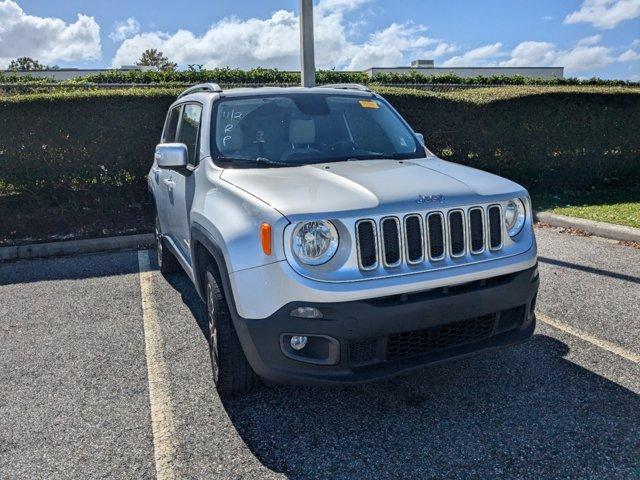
(82, 143)
(100, 143)
(273, 76)
(546, 139)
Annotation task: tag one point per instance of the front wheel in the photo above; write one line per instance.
(232, 373)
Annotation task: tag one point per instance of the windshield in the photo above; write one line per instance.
(304, 128)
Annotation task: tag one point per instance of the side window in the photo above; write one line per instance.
(189, 130)
(171, 126)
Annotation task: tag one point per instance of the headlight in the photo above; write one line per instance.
(514, 216)
(315, 243)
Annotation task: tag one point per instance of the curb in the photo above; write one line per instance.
(600, 229)
(74, 247)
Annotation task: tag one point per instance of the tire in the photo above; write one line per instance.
(232, 373)
(167, 262)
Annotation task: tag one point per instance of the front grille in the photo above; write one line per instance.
(367, 244)
(413, 237)
(495, 227)
(391, 242)
(430, 237)
(436, 236)
(476, 230)
(456, 233)
(421, 342)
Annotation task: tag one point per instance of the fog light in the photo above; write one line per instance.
(306, 312)
(298, 342)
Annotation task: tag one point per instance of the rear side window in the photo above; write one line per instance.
(189, 130)
(171, 126)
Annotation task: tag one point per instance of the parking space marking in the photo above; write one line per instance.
(162, 422)
(603, 344)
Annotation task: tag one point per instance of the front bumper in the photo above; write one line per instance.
(381, 337)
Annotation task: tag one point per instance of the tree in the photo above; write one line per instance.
(25, 64)
(154, 58)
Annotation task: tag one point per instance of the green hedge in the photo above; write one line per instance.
(273, 76)
(548, 139)
(100, 143)
(83, 144)
(265, 75)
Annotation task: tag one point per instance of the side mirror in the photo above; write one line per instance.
(172, 155)
(420, 137)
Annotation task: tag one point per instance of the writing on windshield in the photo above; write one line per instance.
(303, 128)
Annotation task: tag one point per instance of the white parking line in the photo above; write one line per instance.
(603, 344)
(162, 423)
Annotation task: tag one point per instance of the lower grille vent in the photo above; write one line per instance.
(362, 351)
(420, 342)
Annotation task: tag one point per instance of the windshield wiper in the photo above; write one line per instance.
(261, 160)
(368, 156)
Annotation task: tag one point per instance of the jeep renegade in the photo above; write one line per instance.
(329, 244)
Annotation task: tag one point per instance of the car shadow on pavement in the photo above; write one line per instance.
(182, 284)
(523, 412)
(584, 268)
(520, 412)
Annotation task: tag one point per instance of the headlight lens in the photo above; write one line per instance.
(515, 216)
(315, 242)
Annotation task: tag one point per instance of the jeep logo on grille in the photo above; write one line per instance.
(430, 199)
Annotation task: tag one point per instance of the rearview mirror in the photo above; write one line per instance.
(172, 155)
(420, 137)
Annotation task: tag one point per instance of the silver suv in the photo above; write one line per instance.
(329, 244)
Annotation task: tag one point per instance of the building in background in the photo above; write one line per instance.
(427, 67)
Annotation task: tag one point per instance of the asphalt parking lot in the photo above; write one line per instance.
(86, 341)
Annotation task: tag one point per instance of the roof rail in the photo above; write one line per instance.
(347, 86)
(203, 87)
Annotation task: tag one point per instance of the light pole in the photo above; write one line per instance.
(307, 52)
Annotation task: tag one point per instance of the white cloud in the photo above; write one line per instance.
(629, 56)
(274, 42)
(481, 56)
(605, 13)
(589, 41)
(586, 55)
(532, 54)
(124, 30)
(585, 58)
(46, 39)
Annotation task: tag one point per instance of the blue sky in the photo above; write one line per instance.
(588, 37)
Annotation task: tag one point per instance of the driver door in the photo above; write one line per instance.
(161, 177)
(182, 181)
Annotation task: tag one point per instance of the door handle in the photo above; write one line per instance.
(169, 183)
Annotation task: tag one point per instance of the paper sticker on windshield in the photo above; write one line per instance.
(369, 104)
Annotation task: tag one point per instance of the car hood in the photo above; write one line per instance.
(392, 185)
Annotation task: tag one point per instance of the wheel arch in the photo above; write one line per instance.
(204, 252)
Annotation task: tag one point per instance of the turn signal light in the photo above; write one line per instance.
(265, 238)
